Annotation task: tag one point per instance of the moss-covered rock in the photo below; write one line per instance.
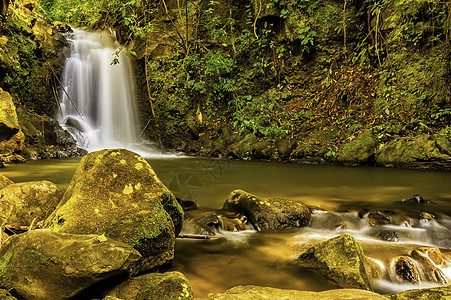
(423, 294)
(250, 292)
(116, 192)
(339, 259)
(412, 151)
(42, 264)
(11, 136)
(169, 285)
(21, 203)
(4, 181)
(5, 295)
(266, 213)
(360, 150)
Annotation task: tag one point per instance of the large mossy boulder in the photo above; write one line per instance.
(43, 264)
(21, 203)
(250, 292)
(341, 260)
(268, 213)
(116, 192)
(11, 137)
(169, 285)
(360, 150)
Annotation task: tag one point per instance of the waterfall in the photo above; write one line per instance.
(98, 102)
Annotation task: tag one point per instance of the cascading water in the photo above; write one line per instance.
(98, 105)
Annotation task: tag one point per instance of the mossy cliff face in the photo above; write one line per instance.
(116, 193)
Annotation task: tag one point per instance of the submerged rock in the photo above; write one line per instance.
(415, 199)
(21, 203)
(388, 235)
(116, 192)
(266, 213)
(169, 285)
(42, 264)
(339, 259)
(250, 292)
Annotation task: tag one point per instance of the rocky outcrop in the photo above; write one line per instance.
(169, 285)
(414, 151)
(266, 213)
(250, 292)
(27, 202)
(116, 192)
(42, 264)
(11, 136)
(4, 181)
(340, 260)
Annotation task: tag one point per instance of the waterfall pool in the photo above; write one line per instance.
(338, 194)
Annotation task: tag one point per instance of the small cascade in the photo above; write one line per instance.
(98, 103)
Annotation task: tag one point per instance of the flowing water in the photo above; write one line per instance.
(98, 101)
(337, 195)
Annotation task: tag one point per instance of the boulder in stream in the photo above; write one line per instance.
(21, 203)
(42, 264)
(406, 268)
(169, 285)
(116, 192)
(268, 213)
(339, 259)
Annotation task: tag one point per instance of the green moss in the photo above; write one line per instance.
(32, 258)
(5, 259)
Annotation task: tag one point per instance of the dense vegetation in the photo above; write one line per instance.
(309, 72)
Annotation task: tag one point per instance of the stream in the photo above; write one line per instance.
(339, 197)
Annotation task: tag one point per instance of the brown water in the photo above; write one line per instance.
(258, 258)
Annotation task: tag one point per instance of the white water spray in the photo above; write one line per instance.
(99, 107)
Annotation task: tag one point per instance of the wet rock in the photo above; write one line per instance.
(42, 264)
(205, 225)
(266, 213)
(415, 199)
(430, 258)
(187, 204)
(431, 254)
(21, 203)
(388, 235)
(250, 292)
(360, 150)
(169, 285)
(406, 269)
(427, 216)
(377, 218)
(233, 224)
(339, 259)
(4, 181)
(116, 192)
(423, 294)
(11, 136)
